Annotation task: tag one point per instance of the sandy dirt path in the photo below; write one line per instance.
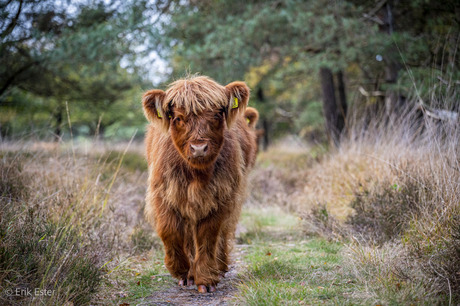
(226, 289)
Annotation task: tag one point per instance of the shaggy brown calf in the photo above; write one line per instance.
(200, 146)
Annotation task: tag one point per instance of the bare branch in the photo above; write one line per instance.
(370, 93)
(376, 8)
(442, 114)
(371, 14)
(439, 114)
(283, 113)
(375, 19)
(10, 80)
(13, 22)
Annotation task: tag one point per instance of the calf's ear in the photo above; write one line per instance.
(238, 98)
(153, 105)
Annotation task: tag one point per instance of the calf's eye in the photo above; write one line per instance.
(178, 122)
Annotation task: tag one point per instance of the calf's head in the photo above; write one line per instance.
(196, 112)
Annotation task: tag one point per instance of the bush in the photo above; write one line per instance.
(63, 219)
(384, 212)
(401, 177)
(38, 253)
(319, 221)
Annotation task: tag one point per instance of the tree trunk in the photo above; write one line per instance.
(100, 131)
(265, 124)
(2, 132)
(58, 116)
(393, 100)
(266, 138)
(330, 106)
(342, 105)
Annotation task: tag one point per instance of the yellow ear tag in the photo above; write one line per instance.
(235, 103)
(159, 115)
(248, 121)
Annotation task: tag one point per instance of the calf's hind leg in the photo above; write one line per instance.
(222, 252)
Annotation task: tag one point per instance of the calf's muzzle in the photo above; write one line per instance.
(199, 150)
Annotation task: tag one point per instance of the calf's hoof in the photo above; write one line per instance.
(186, 282)
(204, 289)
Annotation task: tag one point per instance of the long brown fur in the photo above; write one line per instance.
(195, 201)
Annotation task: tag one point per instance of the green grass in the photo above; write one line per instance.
(285, 267)
(135, 279)
(264, 223)
(146, 284)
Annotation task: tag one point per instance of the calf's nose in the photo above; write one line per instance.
(199, 150)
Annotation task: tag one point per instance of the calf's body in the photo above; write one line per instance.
(200, 148)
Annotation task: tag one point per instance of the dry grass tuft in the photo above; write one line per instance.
(279, 175)
(66, 219)
(388, 275)
(395, 185)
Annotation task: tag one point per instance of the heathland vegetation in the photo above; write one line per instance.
(355, 197)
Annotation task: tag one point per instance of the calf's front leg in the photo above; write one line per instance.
(170, 228)
(205, 268)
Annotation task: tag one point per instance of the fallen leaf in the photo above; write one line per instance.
(268, 254)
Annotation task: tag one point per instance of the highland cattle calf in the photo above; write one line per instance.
(200, 147)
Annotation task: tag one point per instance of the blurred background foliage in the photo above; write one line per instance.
(308, 63)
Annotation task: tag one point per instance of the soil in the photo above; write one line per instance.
(173, 294)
